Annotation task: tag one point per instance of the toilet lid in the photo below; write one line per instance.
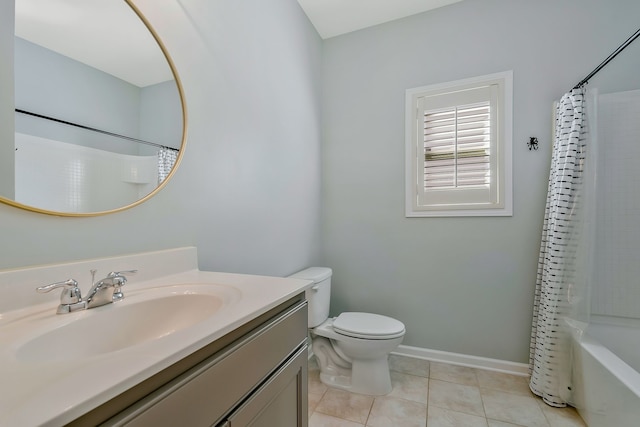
(368, 325)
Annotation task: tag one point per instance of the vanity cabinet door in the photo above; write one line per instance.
(281, 401)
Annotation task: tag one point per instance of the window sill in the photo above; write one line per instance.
(410, 213)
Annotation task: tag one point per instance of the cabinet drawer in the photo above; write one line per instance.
(207, 392)
(281, 401)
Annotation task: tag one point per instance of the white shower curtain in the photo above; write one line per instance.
(166, 159)
(550, 350)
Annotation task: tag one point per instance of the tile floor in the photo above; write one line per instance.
(436, 395)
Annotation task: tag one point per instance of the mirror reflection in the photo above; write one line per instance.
(99, 119)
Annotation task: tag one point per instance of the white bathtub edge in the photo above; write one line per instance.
(618, 368)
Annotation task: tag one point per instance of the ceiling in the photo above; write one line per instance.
(103, 34)
(335, 17)
(107, 35)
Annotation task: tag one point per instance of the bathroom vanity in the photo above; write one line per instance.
(255, 375)
(184, 347)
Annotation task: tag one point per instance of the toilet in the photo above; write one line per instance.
(353, 348)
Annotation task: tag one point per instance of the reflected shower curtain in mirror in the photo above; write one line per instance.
(550, 350)
(166, 159)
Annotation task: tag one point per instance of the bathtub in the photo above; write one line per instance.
(606, 378)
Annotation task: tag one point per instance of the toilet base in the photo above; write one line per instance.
(365, 376)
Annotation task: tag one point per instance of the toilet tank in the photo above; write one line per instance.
(319, 295)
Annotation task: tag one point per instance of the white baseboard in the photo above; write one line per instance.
(513, 368)
(497, 365)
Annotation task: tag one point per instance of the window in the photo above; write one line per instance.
(458, 148)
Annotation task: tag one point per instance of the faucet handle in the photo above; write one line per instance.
(123, 273)
(70, 293)
(117, 289)
(70, 299)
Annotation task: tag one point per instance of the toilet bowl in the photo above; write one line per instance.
(352, 349)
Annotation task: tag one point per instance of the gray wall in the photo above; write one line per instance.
(55, 85)
(7, 170)
(248, 189)
(462, 285)
(161, 115)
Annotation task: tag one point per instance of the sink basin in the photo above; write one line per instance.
(146, 315)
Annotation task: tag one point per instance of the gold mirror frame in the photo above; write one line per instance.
(180, 152)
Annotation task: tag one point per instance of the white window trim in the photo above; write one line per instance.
(505, 133)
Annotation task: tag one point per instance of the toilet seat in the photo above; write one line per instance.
(368, 326)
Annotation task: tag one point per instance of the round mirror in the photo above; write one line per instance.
(100, 120)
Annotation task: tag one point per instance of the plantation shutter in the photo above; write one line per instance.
(457, 147)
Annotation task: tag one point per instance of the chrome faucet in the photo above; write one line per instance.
(105, 291)
(108, 290)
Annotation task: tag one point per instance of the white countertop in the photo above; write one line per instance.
(52, 393)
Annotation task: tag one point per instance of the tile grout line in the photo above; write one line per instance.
(484, 409)
(426, 420)
(369, 414)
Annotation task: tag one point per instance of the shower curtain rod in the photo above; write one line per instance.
(141, 141)
(609, 58)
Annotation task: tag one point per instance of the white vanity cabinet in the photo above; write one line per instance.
(253, 376)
